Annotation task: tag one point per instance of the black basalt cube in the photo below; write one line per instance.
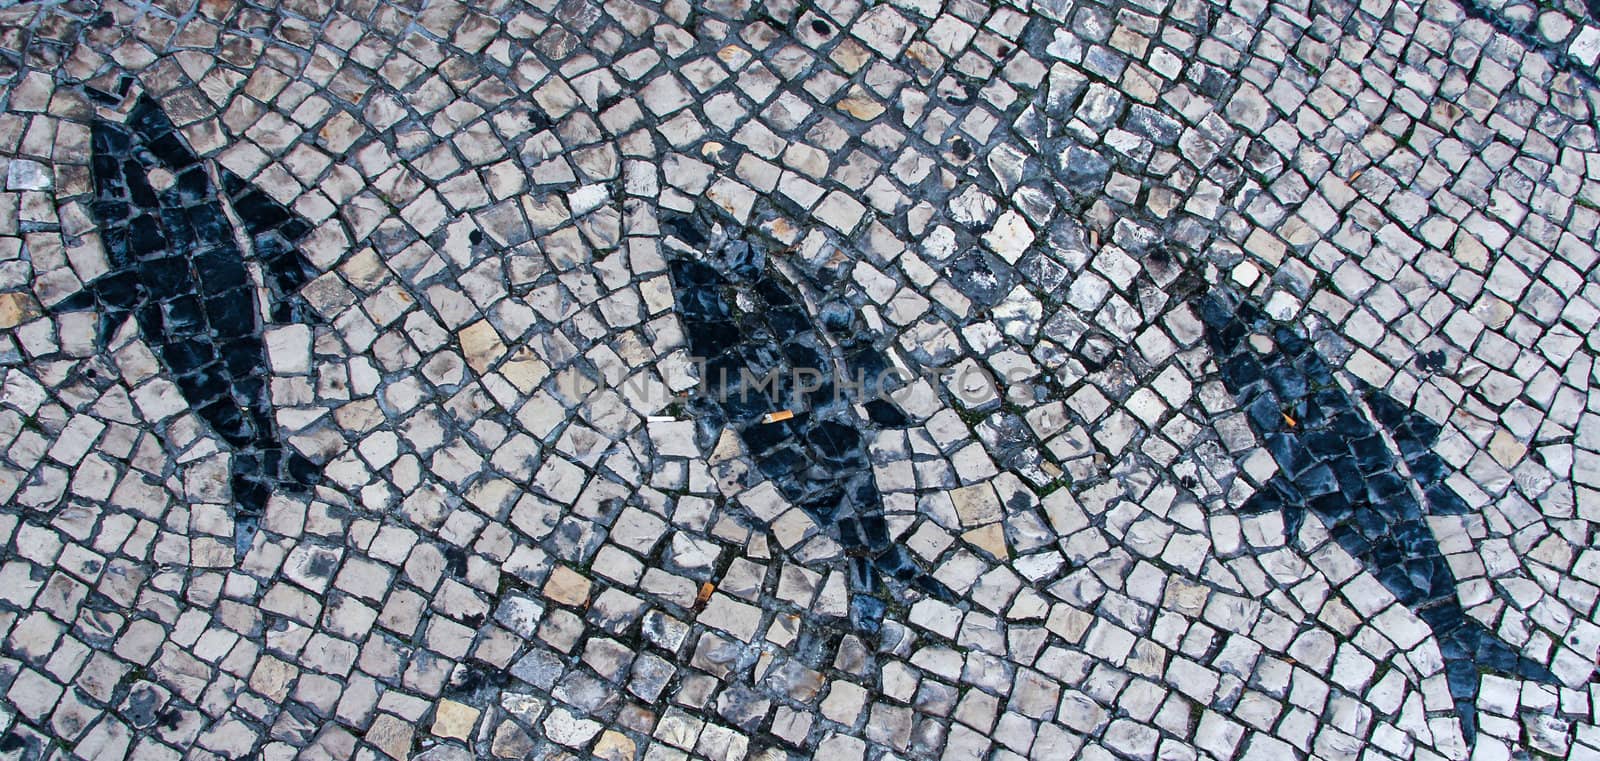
(145, 239)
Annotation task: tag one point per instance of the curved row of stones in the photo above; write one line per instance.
(528, 535)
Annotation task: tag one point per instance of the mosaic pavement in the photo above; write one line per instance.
(1146, 379)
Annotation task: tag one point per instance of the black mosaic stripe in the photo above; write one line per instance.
(176, 268)
(818, 458)
(1335, 464)
(274, 230)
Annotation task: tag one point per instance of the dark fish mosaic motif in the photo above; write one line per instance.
(1335, 464)
(748, 326)
(177, 269)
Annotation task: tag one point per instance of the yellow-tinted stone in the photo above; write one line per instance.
(525, 370)
(567, 587)
(453, 719)
(481, 345)
(859, 104)
(1506, 449)
(391, 735)
(271, 678)
(16, 308)
(614, 746)
(990, 539)
(976, 505)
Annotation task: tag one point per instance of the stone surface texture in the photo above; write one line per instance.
(570, 379)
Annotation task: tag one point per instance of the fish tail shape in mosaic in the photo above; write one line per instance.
(1335, 464)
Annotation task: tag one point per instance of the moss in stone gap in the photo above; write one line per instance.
(970, 416)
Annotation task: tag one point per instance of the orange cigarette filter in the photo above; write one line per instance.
(773, 417)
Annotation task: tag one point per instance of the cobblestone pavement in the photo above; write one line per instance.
(1102, 379)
